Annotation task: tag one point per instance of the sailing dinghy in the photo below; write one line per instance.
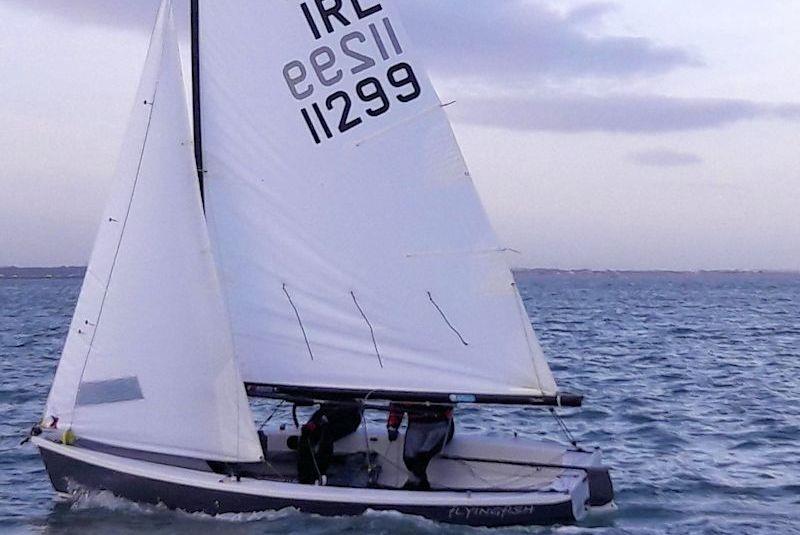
(343, 256)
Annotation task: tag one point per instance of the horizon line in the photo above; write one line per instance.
(517, 269)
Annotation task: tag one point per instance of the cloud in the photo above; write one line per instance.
(588, 13)
(523, 40)
(114, 13)
(787, 111)
(515, 40)
(502, 44)
(646, 114)
(665, 158)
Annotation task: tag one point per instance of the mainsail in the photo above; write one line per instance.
(353, 248)
(148, 363)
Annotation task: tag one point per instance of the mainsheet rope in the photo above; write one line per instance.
(272, 415)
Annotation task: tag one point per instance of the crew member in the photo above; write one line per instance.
(331, 422)
(430, 428)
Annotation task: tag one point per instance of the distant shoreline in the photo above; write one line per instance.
(60, 272)
(77, 272)
(653, 272)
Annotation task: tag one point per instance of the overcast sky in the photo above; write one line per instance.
(629, 134)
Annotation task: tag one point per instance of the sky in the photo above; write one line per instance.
(626, 134)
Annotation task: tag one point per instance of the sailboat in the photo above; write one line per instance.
(305, 229)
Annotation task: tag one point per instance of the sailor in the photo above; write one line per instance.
(331, 422)
(430, 429)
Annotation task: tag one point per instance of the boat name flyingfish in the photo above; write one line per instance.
(505, 511)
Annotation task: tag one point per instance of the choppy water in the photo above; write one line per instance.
(692, 387)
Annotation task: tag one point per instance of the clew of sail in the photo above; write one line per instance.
(353, 248)
(148, 363)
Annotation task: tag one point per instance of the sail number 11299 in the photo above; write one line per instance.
(337, 115)
(333, 103)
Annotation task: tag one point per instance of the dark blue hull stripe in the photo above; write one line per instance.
(64, 470)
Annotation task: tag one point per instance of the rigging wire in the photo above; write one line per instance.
(565, 429)
(370, 466)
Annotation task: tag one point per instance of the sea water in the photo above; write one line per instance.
(692, 385)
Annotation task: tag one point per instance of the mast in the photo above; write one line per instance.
(196, 116)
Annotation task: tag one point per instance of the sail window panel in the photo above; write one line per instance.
(109, 391)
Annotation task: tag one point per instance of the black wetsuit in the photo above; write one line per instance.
(328, 424)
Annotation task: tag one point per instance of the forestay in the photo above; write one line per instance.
(148, 363)
(353, 248)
